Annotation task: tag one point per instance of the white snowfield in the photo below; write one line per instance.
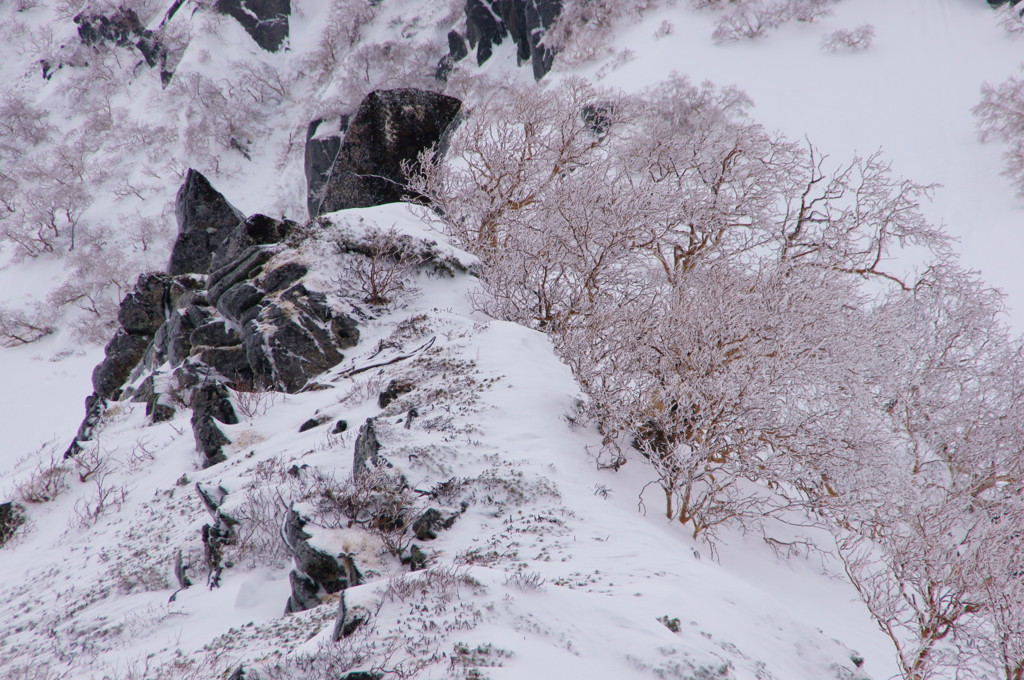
(561, 574)
(558, 569)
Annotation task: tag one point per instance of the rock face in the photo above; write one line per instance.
(226, 316)
(205, 218)
(140, 315)
(211, 404)
(323, 141)
(266, 21)
(489, 22)
(390, 128)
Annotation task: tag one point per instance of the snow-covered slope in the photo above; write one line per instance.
(555, 567)
(550, 571)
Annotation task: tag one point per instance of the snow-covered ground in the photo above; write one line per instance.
(596, 567)
(565, 574)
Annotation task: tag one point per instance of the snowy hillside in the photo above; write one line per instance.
(684, 373)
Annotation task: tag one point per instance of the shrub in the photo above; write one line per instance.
(853, 39)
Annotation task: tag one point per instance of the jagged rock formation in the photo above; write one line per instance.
(218, 535)
(489, 22)
(390, 129)
(266, 21)
(315, 571)
(225, 316)
(205, 218)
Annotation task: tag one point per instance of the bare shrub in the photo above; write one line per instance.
(47, 481)
(89, 461)
(253, 401)
(440, 585)
(106, 496)
(378, 501)
(383, 265)
(260, 518)
(853, 39)
(750, 19)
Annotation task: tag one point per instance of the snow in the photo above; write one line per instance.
(607, 564)
(909, 95)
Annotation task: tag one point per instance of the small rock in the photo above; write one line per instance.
(427, 525)
(367, 449)
(417, 558)
(313, 422)
(340, 427)
(395, 389)
(12, 516)
(304, 593)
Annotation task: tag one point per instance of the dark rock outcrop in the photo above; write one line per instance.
(315, 571)
(489, 22)
(123, 28)
(367, 449)
(219, 534)
(304, 595)
(140, 316)
(211, 404)
(227, 316)
(322, 568)
(12, 516)
(266, 21)
(205, 218)
(323, 141)
(142, 310)
(394, 390)
(123, 353)
(390, 128)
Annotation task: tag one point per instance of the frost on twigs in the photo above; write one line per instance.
(750, 19)
(1000, 115)
(852, 39)
(779, 335)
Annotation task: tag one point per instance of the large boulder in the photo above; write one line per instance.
(294, 337)
(391, 128)
(205, 218)
(489, 22)
(323, 141)
(266, 21)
